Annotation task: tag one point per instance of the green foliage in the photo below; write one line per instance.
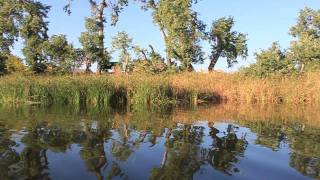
(303, 53)
(93, 39)
(9, 18)
(3, 60)
(123, 44)
(10, 64)
(9, 21)
(153, 66)
(149, 62)
(270, 62)
(91, 43)
(27, 19)
(179, 24)
(34, 33)
(90, 40)
(305, 50)
(181, 30)
(226, 43)
(14, 64)
(59, 53)
(307, 24)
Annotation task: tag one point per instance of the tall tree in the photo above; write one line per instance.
(9, 22)
(305, 50)
(34, 30)
(180, 28)
(27, 18)
(95, 31)
(226, 43)
(89, 41)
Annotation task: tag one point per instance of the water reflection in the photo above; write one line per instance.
(226, 149)
(184, 144)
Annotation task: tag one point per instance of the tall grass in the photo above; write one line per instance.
(137, 89)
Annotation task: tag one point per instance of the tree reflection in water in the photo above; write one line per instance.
(181, 157)
(226, 149)
(107, 144)
(8, 155)
(92, 147)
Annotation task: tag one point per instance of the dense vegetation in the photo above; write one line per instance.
(47, 72)
(161, 90)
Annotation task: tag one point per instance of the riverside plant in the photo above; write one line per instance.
(159, 90)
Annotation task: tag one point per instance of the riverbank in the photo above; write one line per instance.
(170, 89)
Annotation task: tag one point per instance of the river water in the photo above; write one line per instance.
(216, 142)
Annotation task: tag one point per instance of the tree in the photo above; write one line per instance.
(226, 43)
(27, 19)
(8, 24)
(9, 21)
(95, 28)
(181, 158)
(180, 29)
(59, 53)
(148, 61)
(89, 41)
(81, 59)
(307, 24)
(271, 61)
(33, 31)
(226, 150)
(306, 52)
(122, 43)
(306, 49)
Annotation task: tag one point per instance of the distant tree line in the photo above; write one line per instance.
(182, 30)
(302, 55)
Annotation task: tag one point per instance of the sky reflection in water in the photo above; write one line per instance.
(54, 143)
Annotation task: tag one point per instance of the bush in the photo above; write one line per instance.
(14, 64)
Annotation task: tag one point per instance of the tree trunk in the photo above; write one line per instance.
(98, 68)
(190, 68)
(152, 49)
(165, 37)
(144, 55)
(88, 65)
(98, 14)
(126, 63)
(214, 59)
(302, 68)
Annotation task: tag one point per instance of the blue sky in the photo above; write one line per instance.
(265, 21)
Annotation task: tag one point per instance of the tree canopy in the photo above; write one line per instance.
(226, 43)
(183, 32)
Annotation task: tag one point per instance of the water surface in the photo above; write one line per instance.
(220, 142)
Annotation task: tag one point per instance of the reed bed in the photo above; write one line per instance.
(238, 88)
(160, 90)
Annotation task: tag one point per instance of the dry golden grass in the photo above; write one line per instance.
(242, 89)
(165, 89)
